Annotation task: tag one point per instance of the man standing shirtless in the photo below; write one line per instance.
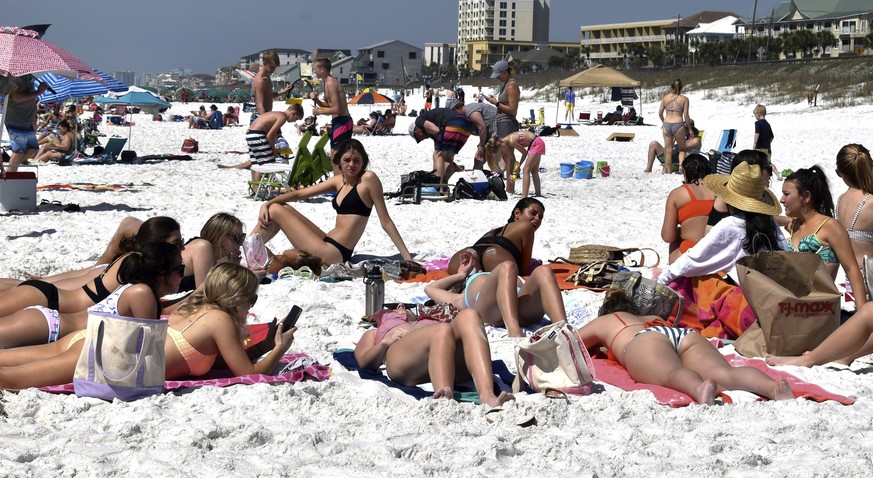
(333, 104)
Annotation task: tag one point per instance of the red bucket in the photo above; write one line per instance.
(604, 171)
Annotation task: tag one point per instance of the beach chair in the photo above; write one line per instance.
(114, 147)
(585, 117)
(727, 141)
(300, 162)
(314, 166)
(216, 120)
(277, 176)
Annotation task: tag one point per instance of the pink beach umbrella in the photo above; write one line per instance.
(22, 52)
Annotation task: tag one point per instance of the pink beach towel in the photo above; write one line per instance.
(224, 378)
(611, 372)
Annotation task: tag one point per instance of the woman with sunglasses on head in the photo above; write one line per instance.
(208, 323)
(357, 190)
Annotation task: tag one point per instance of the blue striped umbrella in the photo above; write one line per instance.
(66, 88)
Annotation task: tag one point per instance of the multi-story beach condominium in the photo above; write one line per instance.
(510, 20)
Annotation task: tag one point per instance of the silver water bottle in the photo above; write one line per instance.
(374, 290)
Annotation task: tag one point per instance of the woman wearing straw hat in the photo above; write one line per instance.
(749, 228)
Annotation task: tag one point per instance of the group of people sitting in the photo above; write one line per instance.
(713, 220)
(378, 123)
(212, 119)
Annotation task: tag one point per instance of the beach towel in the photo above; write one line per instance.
(464, 392)
(562, 271)
(609, 371)
(225, 378)
(713, 307)
(90, 187)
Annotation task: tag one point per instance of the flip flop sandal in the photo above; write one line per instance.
(555, 394)
(496, 417)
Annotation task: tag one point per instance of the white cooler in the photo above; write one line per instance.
(18, 190)
(475, 177)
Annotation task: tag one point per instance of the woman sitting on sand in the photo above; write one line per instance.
(357, 190)
(677, 358)
(688, 208)
(693, 143)
(713, 306)
(418, 350)
(853, 166)
(500, 297)
(219, 312)
(512, 242)
(59, 147)
(809, 211)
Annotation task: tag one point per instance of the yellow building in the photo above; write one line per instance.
(481, 54)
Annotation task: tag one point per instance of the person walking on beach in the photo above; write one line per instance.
(763, 132)
(569, 104)
(20, 118)
(674, 116)
(334, 104)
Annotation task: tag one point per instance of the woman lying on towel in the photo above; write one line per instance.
(219, 312)
(809, 220)
(677, 358)
(512, 242)
(500, 297)
(357, 190)
(688, 207)
(714, 306)
(132, 234)
(422, 349)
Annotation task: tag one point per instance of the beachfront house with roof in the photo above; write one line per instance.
(718, 31)
(848, 20)
(388, 63)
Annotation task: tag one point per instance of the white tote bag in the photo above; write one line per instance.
(122, 357)
(554, 359)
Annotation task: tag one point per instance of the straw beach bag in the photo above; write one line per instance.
(595, 252)
(123, 358)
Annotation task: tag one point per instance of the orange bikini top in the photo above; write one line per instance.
(695, 207)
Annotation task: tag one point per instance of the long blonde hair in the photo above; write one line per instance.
(491, 153)
(218, 226)
(228, 287)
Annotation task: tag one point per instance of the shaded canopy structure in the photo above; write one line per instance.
(599, 75)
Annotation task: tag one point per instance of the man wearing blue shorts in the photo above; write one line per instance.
(20, 119)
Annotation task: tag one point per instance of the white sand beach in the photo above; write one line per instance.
(349, 427)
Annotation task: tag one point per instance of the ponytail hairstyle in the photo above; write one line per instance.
(855, 167)
(155, 229)
(229, 287)
(676, 86)
(696, 167)
(523, 204)
(491, 153)
(814, 182)
(147, 266)
(511, 69)
(217, 227)
(617, 300)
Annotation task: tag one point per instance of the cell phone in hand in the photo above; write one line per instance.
(291, 318)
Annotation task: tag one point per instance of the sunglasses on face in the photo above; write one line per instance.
(238, 238)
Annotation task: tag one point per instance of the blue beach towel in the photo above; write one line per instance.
(464, 392)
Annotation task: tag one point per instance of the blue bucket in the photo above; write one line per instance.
(584, 170)
(567, 170)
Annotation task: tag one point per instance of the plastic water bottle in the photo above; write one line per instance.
(374, 290)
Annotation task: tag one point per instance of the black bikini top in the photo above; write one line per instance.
(352, 204)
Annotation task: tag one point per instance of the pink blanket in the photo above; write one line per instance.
(614, 374)
(224, 378)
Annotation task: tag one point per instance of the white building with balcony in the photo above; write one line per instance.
(511, 20)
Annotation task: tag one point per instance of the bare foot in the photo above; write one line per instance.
(493, 401)
(706, 392)
(782, 391)
(777, 360)
(445, 392)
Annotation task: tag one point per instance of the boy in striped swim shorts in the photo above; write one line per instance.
(262, 135)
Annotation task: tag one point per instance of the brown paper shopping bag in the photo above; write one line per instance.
(794, 298)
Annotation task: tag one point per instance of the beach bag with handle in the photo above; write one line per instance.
(122, 357)
(794, 299)
(596, 252)
(652, 297)
(554, 358)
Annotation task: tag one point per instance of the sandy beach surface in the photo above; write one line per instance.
(346, 426)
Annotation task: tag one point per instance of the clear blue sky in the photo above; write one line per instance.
(160, 35)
